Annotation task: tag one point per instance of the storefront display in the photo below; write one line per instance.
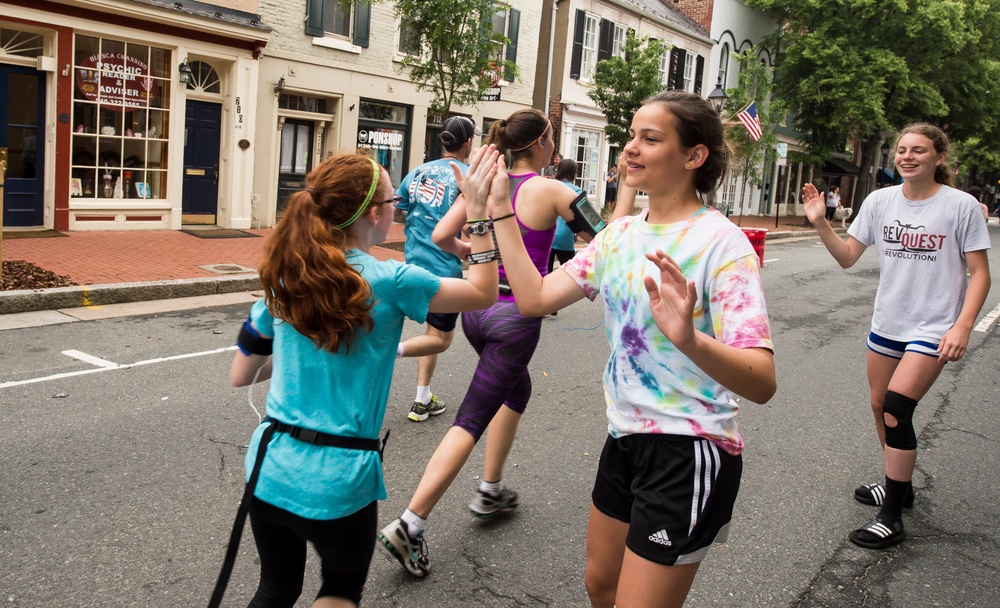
(121, 117)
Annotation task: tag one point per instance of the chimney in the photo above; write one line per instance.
(699, 10)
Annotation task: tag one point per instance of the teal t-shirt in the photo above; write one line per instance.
(565, 239)
(339, 393)
(428, 193)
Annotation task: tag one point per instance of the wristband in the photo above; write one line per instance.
(503, 217)
(477, 221)
(482, 257)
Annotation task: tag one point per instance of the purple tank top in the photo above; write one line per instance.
(537, 242)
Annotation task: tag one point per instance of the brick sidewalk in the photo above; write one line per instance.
(99, 258)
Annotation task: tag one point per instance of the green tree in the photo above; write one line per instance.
(755, 84)
(621, 84)
(456, 53)
(861, 69)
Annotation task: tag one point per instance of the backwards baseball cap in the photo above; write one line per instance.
(457, 130)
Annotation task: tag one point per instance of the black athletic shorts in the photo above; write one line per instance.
(675, 492)
(443, 321)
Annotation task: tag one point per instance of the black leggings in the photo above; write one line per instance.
(345, 546)
(830, 211)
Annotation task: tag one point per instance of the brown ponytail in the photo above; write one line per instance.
(307, 280)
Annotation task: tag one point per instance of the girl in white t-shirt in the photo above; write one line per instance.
(927, 235)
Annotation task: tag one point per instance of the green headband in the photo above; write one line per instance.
(368, 199)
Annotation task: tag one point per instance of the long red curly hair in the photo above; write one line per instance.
(307, 280)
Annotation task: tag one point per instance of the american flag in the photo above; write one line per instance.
(750, 121)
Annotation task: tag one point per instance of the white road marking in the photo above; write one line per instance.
(989, 319)
(769, 260)
(116, 367)
(91, 359)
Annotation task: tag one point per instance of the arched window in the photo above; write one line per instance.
(204, 78)
(724, 64)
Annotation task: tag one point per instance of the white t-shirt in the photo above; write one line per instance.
(921, 247)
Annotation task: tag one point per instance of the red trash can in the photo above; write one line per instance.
(757, 237)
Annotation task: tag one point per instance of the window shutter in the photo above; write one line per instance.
(577, 57)
(512, 27)
(676, 75)
(362, 22)
(606, 40)
(699, 74)
(314, 17)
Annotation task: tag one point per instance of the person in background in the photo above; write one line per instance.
(503, 338)
(611, 189)
(563, 246)
(832, 202)
(550, 170)
(427, 193)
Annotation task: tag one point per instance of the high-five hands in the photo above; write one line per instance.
(672, 300)
(813, 203)
(478, 179)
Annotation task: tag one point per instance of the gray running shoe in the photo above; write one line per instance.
(419, 412)
(486, 505)
(410, 552)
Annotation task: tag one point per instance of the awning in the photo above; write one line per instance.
(836, 166)
(884, 176)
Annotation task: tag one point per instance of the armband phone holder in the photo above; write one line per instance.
(585, 217)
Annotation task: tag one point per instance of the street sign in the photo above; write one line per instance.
(782, 149)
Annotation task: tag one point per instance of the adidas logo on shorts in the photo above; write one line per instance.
(661, 538)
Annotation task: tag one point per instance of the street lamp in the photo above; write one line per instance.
(718, 97)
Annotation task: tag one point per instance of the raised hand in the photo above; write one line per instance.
(813, 203)
(672, 300)
(476, 186)
(500, 188)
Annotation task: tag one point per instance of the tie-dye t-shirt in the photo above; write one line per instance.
(650, 386)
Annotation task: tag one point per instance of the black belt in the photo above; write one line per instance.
(326, 439)
(302, 434)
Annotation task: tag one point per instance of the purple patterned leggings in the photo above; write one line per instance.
(505, 342)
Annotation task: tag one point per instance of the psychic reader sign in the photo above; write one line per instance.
(117, 80)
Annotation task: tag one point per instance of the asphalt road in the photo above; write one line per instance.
(119, 484)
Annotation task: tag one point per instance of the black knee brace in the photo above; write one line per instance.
(901, 436)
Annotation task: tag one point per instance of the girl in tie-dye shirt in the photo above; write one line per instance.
(688, 329)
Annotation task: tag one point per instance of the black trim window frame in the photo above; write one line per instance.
(318, 12)
(507, 51)
(687, 71)
(618, 45)
(587, 68)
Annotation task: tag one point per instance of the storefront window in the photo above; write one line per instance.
(384, 129)
(121, 119)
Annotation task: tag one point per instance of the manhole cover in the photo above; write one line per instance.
(226, 268)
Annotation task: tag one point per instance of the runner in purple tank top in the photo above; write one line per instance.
(504, 339)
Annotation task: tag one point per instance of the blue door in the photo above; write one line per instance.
(202, 128)
(22, 113)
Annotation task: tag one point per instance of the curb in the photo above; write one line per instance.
(31, 300)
